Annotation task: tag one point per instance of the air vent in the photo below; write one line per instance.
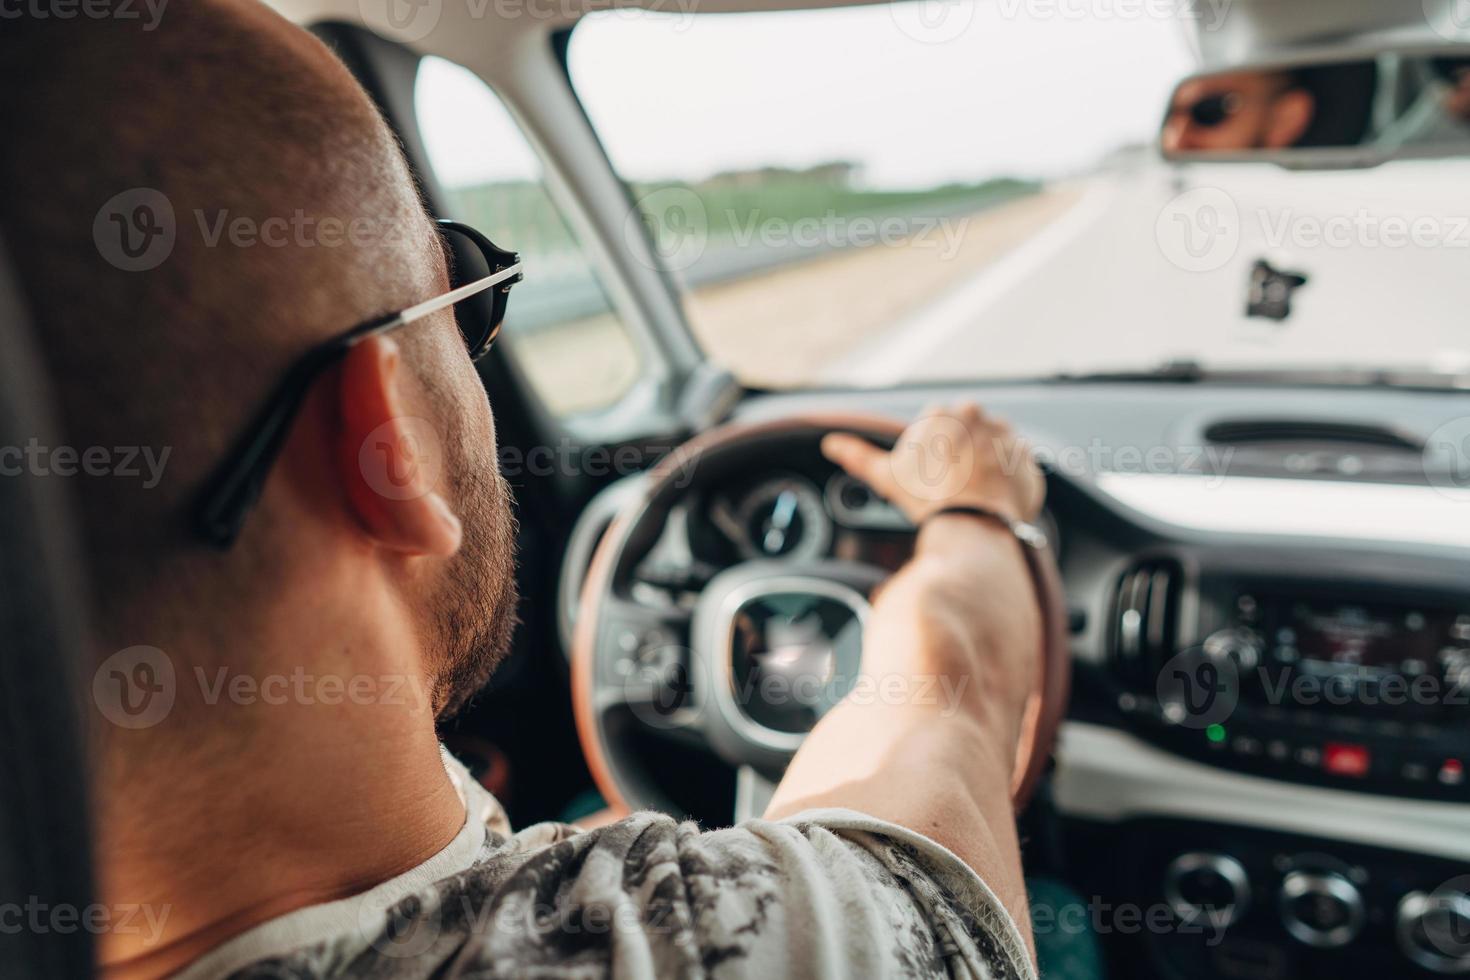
(1246, 432)
(1312, 448)
(1146, 617)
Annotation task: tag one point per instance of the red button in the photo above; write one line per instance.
(1345, 760)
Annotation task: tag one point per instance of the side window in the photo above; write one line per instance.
(560, 328)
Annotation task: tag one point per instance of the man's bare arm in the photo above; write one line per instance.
(949, 654)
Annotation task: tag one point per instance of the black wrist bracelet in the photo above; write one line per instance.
(1028, 534)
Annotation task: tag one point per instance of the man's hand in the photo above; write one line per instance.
(948, 458)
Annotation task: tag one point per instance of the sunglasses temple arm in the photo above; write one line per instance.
(235, 487)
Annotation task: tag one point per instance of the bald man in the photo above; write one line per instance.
(307, 836)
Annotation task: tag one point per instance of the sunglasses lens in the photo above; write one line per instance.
(1210, 111)
(477, 316)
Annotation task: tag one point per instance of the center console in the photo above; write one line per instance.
(1314, 673)
(1322, 680)
(1272, 906)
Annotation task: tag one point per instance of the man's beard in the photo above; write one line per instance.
(475, 612)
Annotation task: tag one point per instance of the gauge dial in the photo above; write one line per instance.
(781, 518)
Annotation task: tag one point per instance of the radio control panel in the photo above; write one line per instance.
(1345, 687)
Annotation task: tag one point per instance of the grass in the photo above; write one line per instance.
(521, 214)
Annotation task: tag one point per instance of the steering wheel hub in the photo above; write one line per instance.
(778, 645)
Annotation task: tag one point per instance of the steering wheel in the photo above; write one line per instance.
(712, 675)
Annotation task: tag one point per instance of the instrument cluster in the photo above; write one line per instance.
(793, 515)
(800, 515)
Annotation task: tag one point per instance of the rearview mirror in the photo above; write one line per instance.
(1325, 112)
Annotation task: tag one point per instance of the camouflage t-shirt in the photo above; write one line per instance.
(825, 893)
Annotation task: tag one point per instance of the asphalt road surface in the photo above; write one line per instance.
(1150, 266)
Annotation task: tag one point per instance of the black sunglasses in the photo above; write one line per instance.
(1212, 110)
(480, 277)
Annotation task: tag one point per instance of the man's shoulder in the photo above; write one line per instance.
(650, 896)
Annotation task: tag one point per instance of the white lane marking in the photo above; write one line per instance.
(913, 340)
(1300, 508)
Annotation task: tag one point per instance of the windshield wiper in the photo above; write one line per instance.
(1192, 372)
(1183, 372)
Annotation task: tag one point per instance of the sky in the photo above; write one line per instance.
(918, 94)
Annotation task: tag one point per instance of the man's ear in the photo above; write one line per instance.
(389, 460)
(1291, 114)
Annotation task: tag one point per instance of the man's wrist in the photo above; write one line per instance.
(971, 563)
(965, 536)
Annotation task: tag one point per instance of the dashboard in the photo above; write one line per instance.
(820, 513)
(797, 510)
(1270, 618)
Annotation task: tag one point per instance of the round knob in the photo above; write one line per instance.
(1214, 886)
(1321, 908)
(1240, 646)
(1434, 930)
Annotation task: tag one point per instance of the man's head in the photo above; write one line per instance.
(1246, 110)
(191, 208)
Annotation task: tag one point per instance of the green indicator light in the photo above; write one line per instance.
(1215, 733)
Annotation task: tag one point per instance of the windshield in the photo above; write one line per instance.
(910, 192)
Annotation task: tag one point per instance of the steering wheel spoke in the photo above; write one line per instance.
(753, 792)
(649, 669)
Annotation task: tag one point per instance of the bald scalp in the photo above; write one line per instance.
(293, 215)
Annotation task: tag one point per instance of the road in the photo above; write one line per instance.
(1134, 275)
(570, 293)
(784, 325)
